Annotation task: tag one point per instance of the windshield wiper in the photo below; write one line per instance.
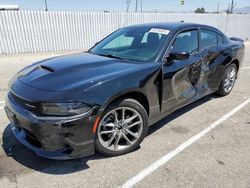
(111, 56)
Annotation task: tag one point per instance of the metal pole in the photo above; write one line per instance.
(136, 5)
(218, 7)
(128, 4)
(141, 5)
(232, 4)
(46, 6)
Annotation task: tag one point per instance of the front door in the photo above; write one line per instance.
(180, 77)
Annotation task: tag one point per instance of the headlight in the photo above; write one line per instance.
(64, 109)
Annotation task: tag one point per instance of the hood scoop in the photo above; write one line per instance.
(36, 73)
(47, 68)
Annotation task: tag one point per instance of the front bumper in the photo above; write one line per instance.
(50, 137)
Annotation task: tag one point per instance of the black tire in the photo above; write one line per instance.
(131, 103)
(222, 91)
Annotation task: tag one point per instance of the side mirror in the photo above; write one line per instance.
(178, 56)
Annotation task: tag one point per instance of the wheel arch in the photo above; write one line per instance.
(236, 62)
(136, 94)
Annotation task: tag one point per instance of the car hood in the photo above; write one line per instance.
(74, 71)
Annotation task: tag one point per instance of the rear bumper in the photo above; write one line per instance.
(62, 138)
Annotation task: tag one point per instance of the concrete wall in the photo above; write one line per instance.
(39, 31)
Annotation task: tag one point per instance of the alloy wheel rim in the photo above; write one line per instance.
(230, 79)
(120, 128)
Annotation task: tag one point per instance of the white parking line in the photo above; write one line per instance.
(157, 164)
(245, 67)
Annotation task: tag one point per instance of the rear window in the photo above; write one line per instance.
(208, 39)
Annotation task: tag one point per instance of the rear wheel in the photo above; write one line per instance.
(122, 128)
(228, 80)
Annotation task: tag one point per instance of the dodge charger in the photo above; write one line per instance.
(105, 99)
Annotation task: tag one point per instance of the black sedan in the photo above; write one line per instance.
(105, 99)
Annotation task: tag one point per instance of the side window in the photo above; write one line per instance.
(208, 39)
(121, 41)
(186, 41)
(220, 39)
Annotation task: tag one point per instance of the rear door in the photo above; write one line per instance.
(213, 54)
(181, 77)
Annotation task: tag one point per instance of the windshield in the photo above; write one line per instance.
(139, 44)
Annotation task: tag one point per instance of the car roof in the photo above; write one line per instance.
(172, 25)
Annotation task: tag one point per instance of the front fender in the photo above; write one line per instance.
(145, 82)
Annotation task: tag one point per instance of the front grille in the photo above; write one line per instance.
(31, 106)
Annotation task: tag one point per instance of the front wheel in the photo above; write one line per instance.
(228, 80)
(122, 128)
